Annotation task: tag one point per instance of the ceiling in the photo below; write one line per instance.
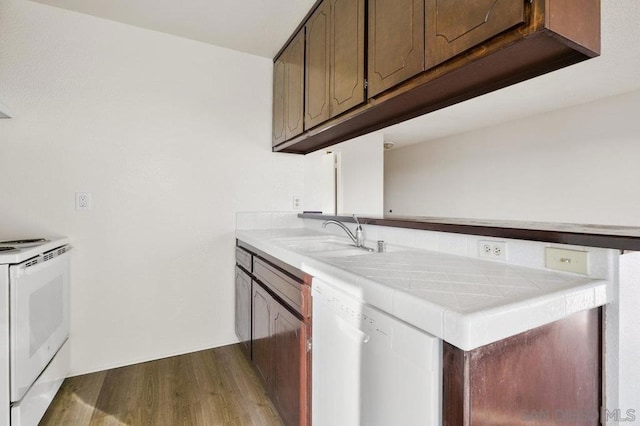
(260, 27)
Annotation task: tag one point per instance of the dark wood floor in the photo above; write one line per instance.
(212, 387)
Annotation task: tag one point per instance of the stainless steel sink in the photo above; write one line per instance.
(324, 246)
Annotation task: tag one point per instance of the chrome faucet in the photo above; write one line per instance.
(358, 238)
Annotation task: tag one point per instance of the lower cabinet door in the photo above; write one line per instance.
(289, 366)
(262, 345)
(243, 309)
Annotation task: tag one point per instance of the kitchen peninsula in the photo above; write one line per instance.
(496, 320)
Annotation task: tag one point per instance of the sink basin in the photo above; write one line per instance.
(354, 251)
(323, 246)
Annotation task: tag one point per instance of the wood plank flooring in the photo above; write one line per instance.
(212, 387)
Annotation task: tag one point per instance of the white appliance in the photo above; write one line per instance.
(370, 368)
(34, 327)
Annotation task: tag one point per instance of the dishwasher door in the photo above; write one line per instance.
(370, 368)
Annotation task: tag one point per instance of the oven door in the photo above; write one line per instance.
(39, 316)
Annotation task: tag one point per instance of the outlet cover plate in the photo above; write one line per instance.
(83, 201)
(494, 250)
(297, 202)
(567, 260)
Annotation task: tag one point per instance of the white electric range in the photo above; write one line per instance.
(34, 326)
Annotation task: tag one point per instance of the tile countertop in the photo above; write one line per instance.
(467, 302)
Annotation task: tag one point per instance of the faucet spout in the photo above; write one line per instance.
(357, 238)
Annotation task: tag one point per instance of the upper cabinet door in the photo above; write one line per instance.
(278, 101)
(453, 26)
(334, 60)
(288, 91)
(396, 42)
(294, 92)
(347, 55)
(317, 67)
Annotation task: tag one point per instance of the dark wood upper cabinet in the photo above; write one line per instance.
(468, 48)
(396, 42)
(347, 55)
(279, 134)
(294, 70)
(335, 60)
(317, 67)
(288, 91)
(453, 26)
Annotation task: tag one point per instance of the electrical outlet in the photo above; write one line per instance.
(297, 202)
(496, 250)
(83, 201)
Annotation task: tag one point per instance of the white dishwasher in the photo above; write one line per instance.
(370, 368)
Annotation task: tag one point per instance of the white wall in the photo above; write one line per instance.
(622, 340)
(171, 137)
(361, 178)
(577, 165)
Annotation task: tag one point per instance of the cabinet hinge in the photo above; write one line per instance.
(366, 83)
(309, 345)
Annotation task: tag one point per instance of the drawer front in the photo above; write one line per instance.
(243, 258)
(288, 289)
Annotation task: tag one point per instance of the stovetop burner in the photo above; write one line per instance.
(7, 248)
(27, 241)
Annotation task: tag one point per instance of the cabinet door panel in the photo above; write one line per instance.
(317, 67)
(396, 42)
(243, 309)
(453, 26)
(262, 345)
(278, 101)
(347, 55)
(294, 92)
(287, 358)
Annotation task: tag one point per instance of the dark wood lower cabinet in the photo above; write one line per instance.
(243, 309)
(546, 376)
(289, 365)
(262, 352)
(280, 323)
(280, 356)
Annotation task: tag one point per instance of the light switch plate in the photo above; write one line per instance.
(567, 260)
